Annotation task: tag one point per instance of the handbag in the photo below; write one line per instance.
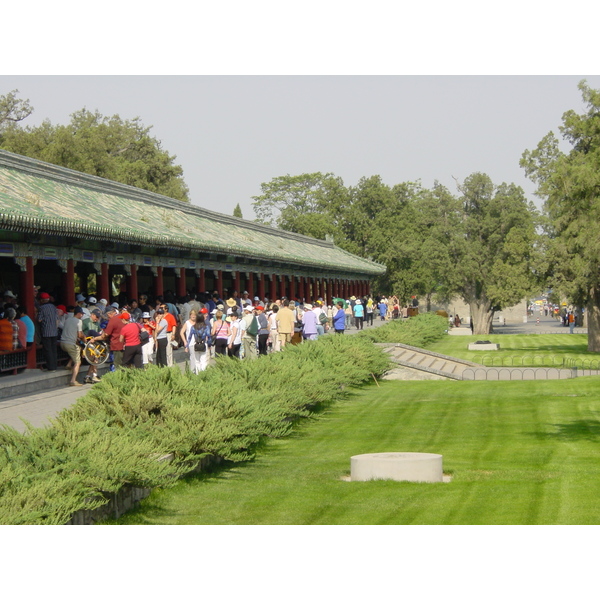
(213, 338)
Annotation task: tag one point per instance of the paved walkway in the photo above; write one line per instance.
(37, 407)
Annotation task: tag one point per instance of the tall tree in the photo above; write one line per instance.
(309, 203)
(110, 147)
(237, 211)
(570, 184)
(13, 109)
(494, 249)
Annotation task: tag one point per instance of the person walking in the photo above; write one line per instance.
(220, 333)
(234, 341)
(339, 318)
(198, 344)
(359, 314)
(132, 346)
(72, 335)
(161, 337)
(285, 319)
(48, 318)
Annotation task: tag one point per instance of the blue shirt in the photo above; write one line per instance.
(339, 320)
(30, 328)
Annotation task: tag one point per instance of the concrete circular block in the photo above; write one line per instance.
(398, 466)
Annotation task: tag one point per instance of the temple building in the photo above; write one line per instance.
(68, 233)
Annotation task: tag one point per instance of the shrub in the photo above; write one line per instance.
(415, 331)
(113, 436)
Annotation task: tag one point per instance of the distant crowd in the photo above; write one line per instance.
(147, 330)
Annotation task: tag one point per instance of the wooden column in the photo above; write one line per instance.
(307, 288)
(238, 284)
(250, 285)
(281, 286)
(181, 287)
(158, 282)
(69, 283)
(272, 287)
(219, 283)
(261, 286)
(132, 283)
(292, 287)
(200, 281)
(104, 286)
(26, 284)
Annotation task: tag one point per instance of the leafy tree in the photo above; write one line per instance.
(494, 250)
(570, 184)
(13, 109)
(237, 211)
(110, 147)
(308, 204)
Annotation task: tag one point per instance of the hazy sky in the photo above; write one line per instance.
(425, 110)
(231, 133)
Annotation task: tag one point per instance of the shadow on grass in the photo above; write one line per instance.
(583, 429)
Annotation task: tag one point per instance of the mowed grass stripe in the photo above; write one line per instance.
(535, 347)
(518, 452)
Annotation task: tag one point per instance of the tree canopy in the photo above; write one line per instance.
(481, 245)
(109, 147)
(569, 182)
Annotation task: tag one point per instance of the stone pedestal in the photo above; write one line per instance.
(398, 466)
(489, 346)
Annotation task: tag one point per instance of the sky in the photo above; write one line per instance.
(246, 91)
(232, 133)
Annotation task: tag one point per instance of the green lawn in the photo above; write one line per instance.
(518, 452)
(547, 349)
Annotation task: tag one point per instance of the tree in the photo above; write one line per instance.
(308, 204)
(109, 147)
(237, 211)
(13, 110)
(493, 250)
(570, 184)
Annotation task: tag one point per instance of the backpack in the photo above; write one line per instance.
(253, 327)
(323, 318)
(144, 336)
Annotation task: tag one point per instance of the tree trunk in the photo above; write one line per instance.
(593, 320)
(482, 316)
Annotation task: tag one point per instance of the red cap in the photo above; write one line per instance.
(124, 315)
(45, 296)
(204, 311)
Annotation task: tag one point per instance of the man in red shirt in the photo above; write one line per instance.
(171, 333)
(130, 337)
(113, 332)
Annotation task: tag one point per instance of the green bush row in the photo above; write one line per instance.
(115, 434)
(416, 331)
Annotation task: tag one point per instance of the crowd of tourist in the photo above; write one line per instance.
(143, 331)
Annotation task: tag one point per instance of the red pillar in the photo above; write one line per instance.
(104, 284)
(261, 286)
(181, 287)
(272, 287)
(26, 294)
(158, 282)
(307, 288)
(132, 283)
(69, 284)
(281, 286)
(200, 282)
(250, 285)
(219, 282)
(292, 287)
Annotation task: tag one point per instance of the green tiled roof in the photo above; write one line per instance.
(43, 198)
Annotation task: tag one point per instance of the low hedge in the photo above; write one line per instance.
(416, 331)
(114, 435)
